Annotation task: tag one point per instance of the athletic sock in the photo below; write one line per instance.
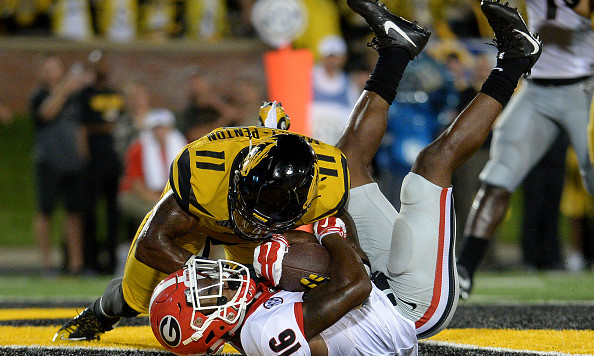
(98, 311)
(472, 253)
(388, 71)
(503, 80)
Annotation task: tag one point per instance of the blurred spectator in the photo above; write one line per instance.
(26, 17)
(461, 73)
(132, 120)
(458, 18)
(481, 68)
(72, 19)
(205, 110)
(147, 164)
(117, 20)
(101, 107)
(247, 99)
(158, 19)
(359, 70)
(240, 17)
(206, 19)
(59, 159)
(323, 20)
(334, 94)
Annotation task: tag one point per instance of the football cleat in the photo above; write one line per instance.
(85, 326)
(389, 29)
(465, 282)
(512, 37)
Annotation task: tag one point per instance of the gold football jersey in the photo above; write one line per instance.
(201, 173)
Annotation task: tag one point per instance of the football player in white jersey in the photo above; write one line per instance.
(556, 97)
(411, 252)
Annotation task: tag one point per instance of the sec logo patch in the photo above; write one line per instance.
(272, 302)
(170, 330)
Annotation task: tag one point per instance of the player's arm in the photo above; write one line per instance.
(352, 236)
(156, 243)
(53, 104)
(348, 287)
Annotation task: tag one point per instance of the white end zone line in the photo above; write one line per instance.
(496, 349)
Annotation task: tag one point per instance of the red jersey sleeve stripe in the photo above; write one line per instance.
(437, 284)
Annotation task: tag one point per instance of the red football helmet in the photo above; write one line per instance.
(196, 309)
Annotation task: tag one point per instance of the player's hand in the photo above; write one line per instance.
(313, 280)
(268, 258)
(329, 225)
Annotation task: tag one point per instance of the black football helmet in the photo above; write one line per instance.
(274, 186)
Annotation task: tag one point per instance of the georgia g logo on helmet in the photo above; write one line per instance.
(170, 330)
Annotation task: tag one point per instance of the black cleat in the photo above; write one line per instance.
(85, 326)
(465, 282)
(513, 39)
(389, 29)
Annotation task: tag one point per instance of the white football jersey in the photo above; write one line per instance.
(568, 40)
(276, 327)
(375, 328)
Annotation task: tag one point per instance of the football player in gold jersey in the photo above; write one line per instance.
(235, 187)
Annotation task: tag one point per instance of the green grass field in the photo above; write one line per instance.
(17, 192)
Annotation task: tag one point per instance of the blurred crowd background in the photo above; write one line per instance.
(98, 96)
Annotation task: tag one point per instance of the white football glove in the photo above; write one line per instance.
(268, 258)
(329, 225)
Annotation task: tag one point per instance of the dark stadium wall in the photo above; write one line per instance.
(162, 66)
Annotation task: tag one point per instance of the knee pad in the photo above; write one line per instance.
(401, 248)
(412, 189)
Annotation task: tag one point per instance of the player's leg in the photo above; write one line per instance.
(421, 267)
(47, 196)
(576, 122)
(73, 229)
(521, 136)
(397, 41)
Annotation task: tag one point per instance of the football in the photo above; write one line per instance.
(302, 259)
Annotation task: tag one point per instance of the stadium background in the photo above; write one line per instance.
(511, 312)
